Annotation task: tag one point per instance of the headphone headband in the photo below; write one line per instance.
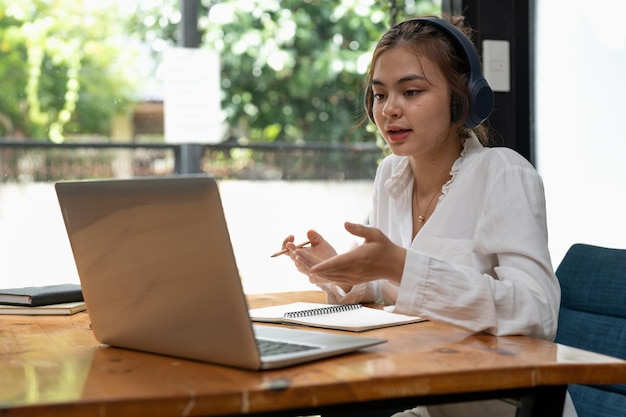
(481, 96)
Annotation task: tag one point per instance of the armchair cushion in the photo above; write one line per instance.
(593, 317)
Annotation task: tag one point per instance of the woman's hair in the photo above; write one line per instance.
(428, 41)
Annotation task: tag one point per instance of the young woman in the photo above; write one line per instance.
(458, 230)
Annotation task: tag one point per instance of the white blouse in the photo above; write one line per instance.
(481, 261)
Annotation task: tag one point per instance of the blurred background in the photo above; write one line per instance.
(266, 96)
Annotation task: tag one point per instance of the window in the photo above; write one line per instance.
(85, 100)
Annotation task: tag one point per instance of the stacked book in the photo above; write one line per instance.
(60, 299)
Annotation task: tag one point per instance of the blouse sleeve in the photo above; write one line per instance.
(520, 293)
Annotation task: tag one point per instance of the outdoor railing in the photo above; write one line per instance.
(35, 161)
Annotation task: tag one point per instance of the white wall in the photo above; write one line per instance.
(581, 115)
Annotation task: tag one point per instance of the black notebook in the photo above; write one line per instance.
(40, 296)
(351, 317)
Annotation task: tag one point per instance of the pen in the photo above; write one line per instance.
(282, 252)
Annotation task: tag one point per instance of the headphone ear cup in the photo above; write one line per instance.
(481, 103)
(481, 97)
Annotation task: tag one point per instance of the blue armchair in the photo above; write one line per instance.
(593, 317)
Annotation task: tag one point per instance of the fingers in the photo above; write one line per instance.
(314, 237)
(288, 239)
(290, 246)
(304, 260)
(314, 240)
(336, 263)
(285, 248)
(365, 232)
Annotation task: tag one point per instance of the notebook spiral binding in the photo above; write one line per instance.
(324, 310)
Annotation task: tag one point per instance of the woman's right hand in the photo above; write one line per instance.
(305, 257)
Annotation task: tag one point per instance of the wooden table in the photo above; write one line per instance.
(52, 366)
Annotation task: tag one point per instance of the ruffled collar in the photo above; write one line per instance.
(402, 176)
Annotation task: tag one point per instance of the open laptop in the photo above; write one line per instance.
(159, 275)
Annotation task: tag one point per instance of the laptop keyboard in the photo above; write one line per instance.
(275, 347)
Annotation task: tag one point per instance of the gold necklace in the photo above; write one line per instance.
(422, 218)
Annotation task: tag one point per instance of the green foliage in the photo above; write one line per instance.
(11, 93)
(56, 55)
(292, 70)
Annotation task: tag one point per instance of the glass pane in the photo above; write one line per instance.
(83, 86)
(579, 113)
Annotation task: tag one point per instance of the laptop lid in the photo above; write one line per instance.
(158, 272)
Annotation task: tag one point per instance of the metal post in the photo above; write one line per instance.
(189, 33)
(188, 158)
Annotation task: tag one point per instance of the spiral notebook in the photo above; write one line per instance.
(350, 317)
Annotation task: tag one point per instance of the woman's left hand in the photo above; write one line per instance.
(377, 258)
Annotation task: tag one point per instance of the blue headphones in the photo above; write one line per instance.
(481, 96)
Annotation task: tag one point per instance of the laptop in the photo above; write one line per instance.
(158, 274)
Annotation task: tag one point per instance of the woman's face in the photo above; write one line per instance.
(411, 105)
